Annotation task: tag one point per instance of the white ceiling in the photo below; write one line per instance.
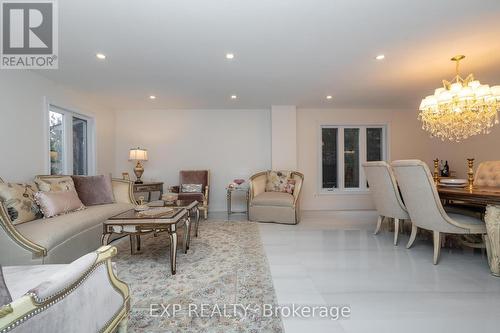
(286, 51)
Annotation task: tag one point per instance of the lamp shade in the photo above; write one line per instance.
(138, 154)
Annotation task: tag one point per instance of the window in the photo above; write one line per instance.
(343, 150)
(70, 142)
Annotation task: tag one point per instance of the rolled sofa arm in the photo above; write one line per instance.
(84, 296)
(123, 190)
(257, 184)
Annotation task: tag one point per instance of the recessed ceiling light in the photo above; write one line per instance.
(234, 97)
(100, 56)
(152, 97)
(329, 97)
(380, 57)
(229, 55)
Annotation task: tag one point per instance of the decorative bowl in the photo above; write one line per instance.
(169, 197)
(453, 181)
(239, 181)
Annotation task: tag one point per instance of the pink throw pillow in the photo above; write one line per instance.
(58, 203)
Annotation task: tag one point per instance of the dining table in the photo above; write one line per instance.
(482, 196)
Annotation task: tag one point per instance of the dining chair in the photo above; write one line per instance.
(385, 193)
(424, 206)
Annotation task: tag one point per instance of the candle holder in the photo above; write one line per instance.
(470, 172)
(436, 171)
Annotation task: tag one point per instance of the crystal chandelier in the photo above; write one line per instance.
(462, 108)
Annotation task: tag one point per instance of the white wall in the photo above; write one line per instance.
(406, 140)
(231, 143)
(284, 137)
(22, 128)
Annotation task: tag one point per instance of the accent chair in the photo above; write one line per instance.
(81, 297)
(385, 193)
(424, 205)
(194, 177)
(271, 206)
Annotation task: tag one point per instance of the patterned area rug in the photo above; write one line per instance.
(222, 284)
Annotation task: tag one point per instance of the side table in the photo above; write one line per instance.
(149, 187)
(229, 194)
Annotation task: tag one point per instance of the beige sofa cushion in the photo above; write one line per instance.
(273, 199)
(54, 231)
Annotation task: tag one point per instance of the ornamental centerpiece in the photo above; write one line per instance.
(461, 108)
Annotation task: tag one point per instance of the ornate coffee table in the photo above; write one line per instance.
(134, 223)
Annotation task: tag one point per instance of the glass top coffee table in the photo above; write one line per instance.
(135, 224)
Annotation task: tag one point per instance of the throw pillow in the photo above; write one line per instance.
(19, 202)
(290, 186)
(94, 190)
(191, 188)
(54, 184)
(5, 297)
(277, 181)
(58, 203)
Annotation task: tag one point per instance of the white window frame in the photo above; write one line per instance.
(68, 113)
(340, 156)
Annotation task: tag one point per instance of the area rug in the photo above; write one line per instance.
(223, 283)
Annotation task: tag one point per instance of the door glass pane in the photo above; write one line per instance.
(80, 146)
(374, 143)
(329, 157)
(56, 136)
(351, 157)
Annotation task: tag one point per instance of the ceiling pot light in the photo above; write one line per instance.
(329, 97)
(234, 97)
(152, 97)
(380, 57)
(100, 56)
(229, 55)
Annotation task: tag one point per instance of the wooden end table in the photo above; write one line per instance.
(134, 225)
(148, 188)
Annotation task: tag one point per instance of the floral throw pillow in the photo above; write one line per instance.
(55, 184)
(290, 186)
(277, 181)
(19, 201)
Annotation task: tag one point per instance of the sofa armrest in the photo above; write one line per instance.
(299, 180)
(123, 190)
(83, 296)
(257, 184)
(15, 247)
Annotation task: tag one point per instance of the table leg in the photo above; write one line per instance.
(138, 242)
(149, 196)
(187, 231)
(228, 197)
(173, 248)
(492, 239)
(131, 238)
(105, 239)
(196, 224)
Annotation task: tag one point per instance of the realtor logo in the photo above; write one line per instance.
(29, 34)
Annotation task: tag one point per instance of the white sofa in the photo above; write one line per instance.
(82, 297)
(61, 239)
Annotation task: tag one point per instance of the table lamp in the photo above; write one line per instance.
(138, 154)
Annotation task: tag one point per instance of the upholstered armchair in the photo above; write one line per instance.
(81, 297)
(279, 207)
(194, 177)
(424, 205)
(385, 194)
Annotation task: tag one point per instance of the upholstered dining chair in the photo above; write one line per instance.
(194, 177)
(385, 193)
(424, 206)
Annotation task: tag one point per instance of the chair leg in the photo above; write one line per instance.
(437, 245)
(413, 235)
(396, 231)
(379, 224)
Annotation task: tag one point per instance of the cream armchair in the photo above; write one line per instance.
(425, 208)
(276, 207)
(82, 297)
(385, 195)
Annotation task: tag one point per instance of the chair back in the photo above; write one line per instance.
(420, 195)
(488, 174)
(384, 190)
(195, 177)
